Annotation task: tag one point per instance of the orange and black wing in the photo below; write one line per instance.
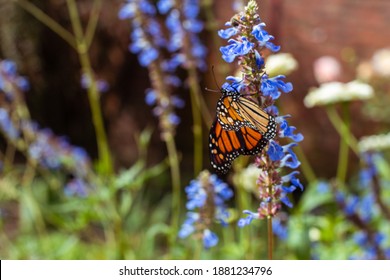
(235, 112)
(226, 145)
(229, 115)
(259, 119)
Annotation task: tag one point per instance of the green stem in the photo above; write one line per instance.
(105, 161)
(243, 202)
(342, 128)
(197, 118)
(175, 175)
(48, 21)
(270, 236)
(342, 167)
(92, 23)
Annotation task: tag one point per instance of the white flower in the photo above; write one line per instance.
(334, 92)
(247, 178)
(374, 142)
(381, 62)
(280, 64)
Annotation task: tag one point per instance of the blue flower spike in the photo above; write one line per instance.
(247, 37)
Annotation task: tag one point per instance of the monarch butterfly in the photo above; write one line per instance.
(240, 128)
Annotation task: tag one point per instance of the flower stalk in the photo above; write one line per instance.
(247, 38)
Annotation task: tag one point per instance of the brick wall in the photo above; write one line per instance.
(347, 29)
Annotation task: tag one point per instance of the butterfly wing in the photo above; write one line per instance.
(228, 113)
(226, 145)
(235, 111)
(259, 119)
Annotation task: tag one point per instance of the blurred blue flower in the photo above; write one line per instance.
(150, 97)
(174, 119)
(128, 10)
(146, 7)
(9, 78)
(164, 6)
(147, 56)
(248, 219)
(203, 194)
(101, 84)
(7, 126)
(279, 229)
(188, 227)
(210, 239)
(323, 187)
(191, 8)
(76, 187)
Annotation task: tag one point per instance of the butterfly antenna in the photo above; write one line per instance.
(215, 79)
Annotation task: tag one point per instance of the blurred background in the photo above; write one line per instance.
(348, 32)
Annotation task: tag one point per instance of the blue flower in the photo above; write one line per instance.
(150, 97)
(146, 7)
(366, 207)
(174, 119)
(171, 64)
(235, 83)
(368, 173)
(177, 102)
(164, 6)
(101, 84)
(259, 60)
(295, 183)
(351, 205)
(128, 10)
(279, 229)
(154, 29)
(205, 193)
(275, 151)
(7, 126)
(147, 56)
(248, 219)
(8, 67)
(286, 201)
(264, 38)
(290, 159)
(76, 187)
(210, 239)
(188, 226)
(193, 25)
(322, 187)
(9, 78)
(227, 33)
(288, 131)
(191, 8)
(172, 80)
(236, 48)
(196, 195)
(271, 86)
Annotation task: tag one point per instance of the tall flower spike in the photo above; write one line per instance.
(147, 42)
(247, 38)
(206, 205)
(41, 146)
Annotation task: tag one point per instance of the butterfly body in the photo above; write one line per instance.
(240, 128)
